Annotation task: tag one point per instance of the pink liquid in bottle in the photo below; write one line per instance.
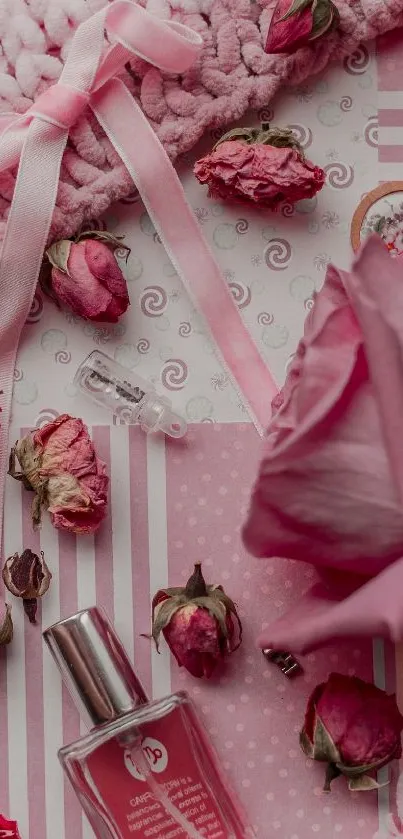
(147, 770)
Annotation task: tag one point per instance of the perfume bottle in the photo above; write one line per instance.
(128, 396)
(147, 769)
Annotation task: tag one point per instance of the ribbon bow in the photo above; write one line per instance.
(36, 141)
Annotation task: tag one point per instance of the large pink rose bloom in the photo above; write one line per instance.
(330, 485)
(258, 174)
(60, 464)
(91, 283)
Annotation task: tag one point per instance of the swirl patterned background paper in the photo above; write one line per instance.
(199, 488)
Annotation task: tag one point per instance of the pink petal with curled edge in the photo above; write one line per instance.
(330, 488)
(8, 828)
(78, 521)
(362, 720)
(102, 264)
(310, 714)
(67, 450)
(80, 289)
(193, 637)
(286, 36)
(325, 493)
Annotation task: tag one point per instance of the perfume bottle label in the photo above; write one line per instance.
(131, 801)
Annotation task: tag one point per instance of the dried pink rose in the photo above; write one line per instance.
(59, 463)
(263, 168)
(27, 576)
(8, 829)
(86, 277)
(197, 624)
(297, 23)
(354, 727)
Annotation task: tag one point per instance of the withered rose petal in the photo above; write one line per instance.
(193, 637)
(6, 624)
(310, 714)
(59, 462)
(102, 264)
(77, 486)
(8, 829)
(27, 576)
(94, 286)
(18, 572)
(363, 720)
(259, 174)
(285, 36)
(355, 720)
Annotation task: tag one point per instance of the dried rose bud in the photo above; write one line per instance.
(27, 576)
(354, 727)
(8, 830)
(257, 167)
(84, 275)
(59, 463)
(6, 628)
(197, 624)
(297, 23)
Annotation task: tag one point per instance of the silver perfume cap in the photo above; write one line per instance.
(94, 666)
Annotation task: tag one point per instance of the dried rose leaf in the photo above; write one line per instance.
(362, 783)
(58, 254)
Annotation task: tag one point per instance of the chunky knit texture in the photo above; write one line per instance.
(233, 74)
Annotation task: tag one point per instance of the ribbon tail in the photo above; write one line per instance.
(166, 203)
(21, 256)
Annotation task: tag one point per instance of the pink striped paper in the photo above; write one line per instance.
(34, 694)
(4, 797)
(390, 105)
(103, 538)
(71, 719)
(180, 501)
(139, 539)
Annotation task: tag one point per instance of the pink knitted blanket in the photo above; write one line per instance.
(233, 74)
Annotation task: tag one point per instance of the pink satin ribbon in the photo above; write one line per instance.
(36, 142)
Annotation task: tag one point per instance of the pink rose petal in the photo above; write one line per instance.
(8, 829)
(330, 487)
(363, 721)
(288, 35)
(94, 287)
(68, 458)
(258, 174)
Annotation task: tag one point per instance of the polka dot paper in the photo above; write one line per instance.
(252, 711)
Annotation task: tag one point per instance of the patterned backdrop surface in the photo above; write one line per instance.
(177, 502)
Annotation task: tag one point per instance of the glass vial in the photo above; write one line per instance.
(127, 395)
(147, 769)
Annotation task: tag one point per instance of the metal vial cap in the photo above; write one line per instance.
(95, 666)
